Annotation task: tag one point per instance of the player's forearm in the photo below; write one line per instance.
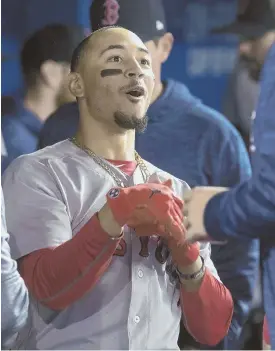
(207, 310)
(59, 276)
(192, 284)
(246, 211)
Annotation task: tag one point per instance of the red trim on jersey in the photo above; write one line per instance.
(266, 335)
(208, 311)
(59, 276)
(127, 167)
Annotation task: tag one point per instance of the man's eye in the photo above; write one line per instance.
(145, 62)
(115, 59)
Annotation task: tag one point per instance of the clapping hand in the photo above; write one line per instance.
(195, 202)
(151, 206)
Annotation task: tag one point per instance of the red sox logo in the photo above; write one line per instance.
(111, 13)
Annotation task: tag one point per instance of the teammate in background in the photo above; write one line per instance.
(104, 284)
(247, 211)
(183, 137)
(45, 61)
(241, 97)
(255, 26)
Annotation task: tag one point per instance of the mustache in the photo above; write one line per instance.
(133, 85)
(248, 59)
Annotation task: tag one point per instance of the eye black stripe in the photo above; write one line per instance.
(110, 72)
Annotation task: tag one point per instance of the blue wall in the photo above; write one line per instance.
(29, 16)
(201, 61)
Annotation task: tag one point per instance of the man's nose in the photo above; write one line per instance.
(134, 72)
(245, 47)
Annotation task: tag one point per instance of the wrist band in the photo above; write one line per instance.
(116, 237)
(192, 276)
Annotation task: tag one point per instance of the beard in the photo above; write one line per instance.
(131, 122)
(254, 68)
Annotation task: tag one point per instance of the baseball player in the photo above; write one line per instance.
(98, 232)
(209, 151)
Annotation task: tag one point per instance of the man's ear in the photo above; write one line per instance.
(51, 74)
(76, 85)
(165, 46)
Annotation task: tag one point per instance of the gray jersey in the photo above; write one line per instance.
(14, 294)
(50, 195)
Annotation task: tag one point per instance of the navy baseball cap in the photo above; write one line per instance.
(257, 19)
(146, 18)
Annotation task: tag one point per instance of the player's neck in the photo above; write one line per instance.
(42, 105)
(107, 144)
(158, 91)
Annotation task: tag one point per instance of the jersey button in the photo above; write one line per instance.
(137, 319)
(253, 116)
(252, 148)
(140, 273)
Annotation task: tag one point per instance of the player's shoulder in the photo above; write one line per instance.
(11, 125)
(216, 123)
(213, 123)
(28, 165)
(68, 113)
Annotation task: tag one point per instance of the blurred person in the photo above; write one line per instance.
(241, 98)
(45, 61)
(238, 106)
(255, 26)
(209, 151)
(83, 234)
(248, 210)
(256, 29)
(14, 293)
(7, 104)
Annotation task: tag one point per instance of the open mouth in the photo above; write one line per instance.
(136, 92)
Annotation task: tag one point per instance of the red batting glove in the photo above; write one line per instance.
(151, 225)
(183, 254)
(147, 204)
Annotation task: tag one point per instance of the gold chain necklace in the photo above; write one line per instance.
(107, 168)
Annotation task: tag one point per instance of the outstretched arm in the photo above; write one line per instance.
(248, 210)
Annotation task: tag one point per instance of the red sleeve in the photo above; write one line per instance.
(208, 311)
(59, 276)
(266, 335)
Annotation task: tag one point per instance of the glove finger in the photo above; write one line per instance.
(176, 216)
(178, 201)
(168, 183)
(178, 211)
(176, 227)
